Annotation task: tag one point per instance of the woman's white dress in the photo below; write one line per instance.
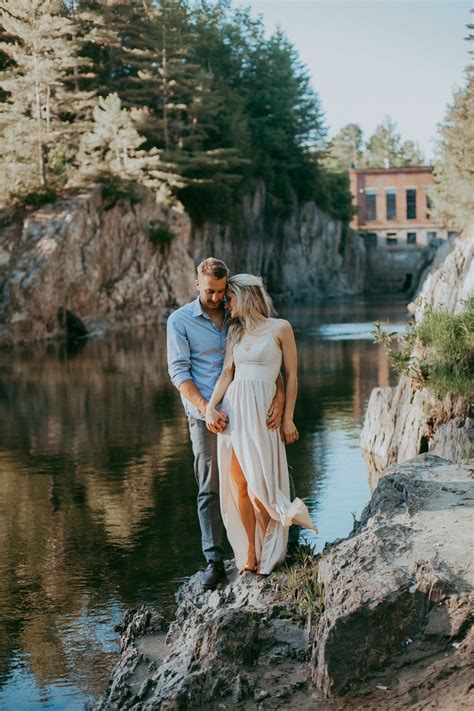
(260, 451)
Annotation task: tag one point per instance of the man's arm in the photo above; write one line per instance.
(190, 391)
(179, 364)
(275, 413)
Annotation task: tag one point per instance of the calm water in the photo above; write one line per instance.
(97, 506)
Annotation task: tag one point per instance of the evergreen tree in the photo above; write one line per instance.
(112, 144)
(453, 196)
(35, 115)
(383, 147)
(345, 150)
(410, 154)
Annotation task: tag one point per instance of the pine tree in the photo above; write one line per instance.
(345, 150)
(383, 147)
(453, 196)
(36, 117)
(410, 154)
(112, 144)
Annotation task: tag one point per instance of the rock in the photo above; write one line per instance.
(404, 575)
(228, 646)
(404, 421)
(395, 633)
(94, 260)
(302, 256)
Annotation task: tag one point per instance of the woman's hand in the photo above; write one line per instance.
(216, 420)
(288, 431)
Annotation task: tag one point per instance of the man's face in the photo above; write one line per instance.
(211, 290)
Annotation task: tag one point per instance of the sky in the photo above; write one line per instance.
(370, 58)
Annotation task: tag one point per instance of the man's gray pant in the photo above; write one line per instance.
(207, 476)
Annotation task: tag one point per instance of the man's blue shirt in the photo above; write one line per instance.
(195, 351)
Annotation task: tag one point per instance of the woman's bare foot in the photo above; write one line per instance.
(248, 569)
(251, 564)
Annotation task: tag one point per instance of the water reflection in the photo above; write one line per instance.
(98, 496)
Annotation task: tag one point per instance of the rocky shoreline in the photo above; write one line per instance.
(404, 420)
(391, 628)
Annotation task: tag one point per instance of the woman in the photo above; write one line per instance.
(254, 481)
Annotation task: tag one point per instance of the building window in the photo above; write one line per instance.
(391, 197)
(370, 205)
(411, 204)
(433, 238)
(429, 206)
(411, 237)
(371, 239)
(391, 238)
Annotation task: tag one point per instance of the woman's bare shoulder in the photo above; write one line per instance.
(279, 322)
(280, 325)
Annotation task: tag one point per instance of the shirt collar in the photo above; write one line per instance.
(198, 311)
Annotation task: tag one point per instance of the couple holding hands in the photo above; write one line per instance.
(225, 352)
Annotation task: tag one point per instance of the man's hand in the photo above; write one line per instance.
(216, 420)
(275, 413)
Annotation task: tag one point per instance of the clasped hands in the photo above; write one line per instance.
(217, 420)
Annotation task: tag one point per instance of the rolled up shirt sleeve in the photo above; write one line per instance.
(179, 354)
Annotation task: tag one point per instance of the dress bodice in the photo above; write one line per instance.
(258, 356)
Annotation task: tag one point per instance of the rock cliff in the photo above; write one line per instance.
(394, 630)
(89, 262)
(303, 256)
(402, 422)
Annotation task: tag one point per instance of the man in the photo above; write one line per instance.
(196, 336)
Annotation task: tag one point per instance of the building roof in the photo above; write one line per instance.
(406, 169)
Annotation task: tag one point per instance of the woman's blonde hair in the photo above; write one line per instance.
(253, 302)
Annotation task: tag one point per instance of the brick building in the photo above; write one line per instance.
(393, 206)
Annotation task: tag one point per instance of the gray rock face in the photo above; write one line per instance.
(395, 632)
(234, 644)
(401, 588)
(306, 255)
(402, 422)
(95, 260)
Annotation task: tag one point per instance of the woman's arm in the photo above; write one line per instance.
(216, 419)
(285, 334)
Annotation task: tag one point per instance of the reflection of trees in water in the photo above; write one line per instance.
(97, 487)
(94, 465)
(336, 378)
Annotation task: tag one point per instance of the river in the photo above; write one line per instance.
(97, 502)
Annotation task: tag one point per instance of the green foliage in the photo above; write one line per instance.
(39, 108)
(438, 352)
(299, 582)
(383, 149)
(159, 233)
(186, 97)
(453, 197)
(345, 149)
(36, 198)
(114, 190)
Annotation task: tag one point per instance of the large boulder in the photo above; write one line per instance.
(401, 588)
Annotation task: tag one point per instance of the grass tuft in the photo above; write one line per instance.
(299, 582)
(437, 353)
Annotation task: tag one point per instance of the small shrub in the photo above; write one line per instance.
(159, 233)
(437, 352)
(37, 198)
(115, 190)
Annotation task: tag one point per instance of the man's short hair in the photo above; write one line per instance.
(213, 267)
